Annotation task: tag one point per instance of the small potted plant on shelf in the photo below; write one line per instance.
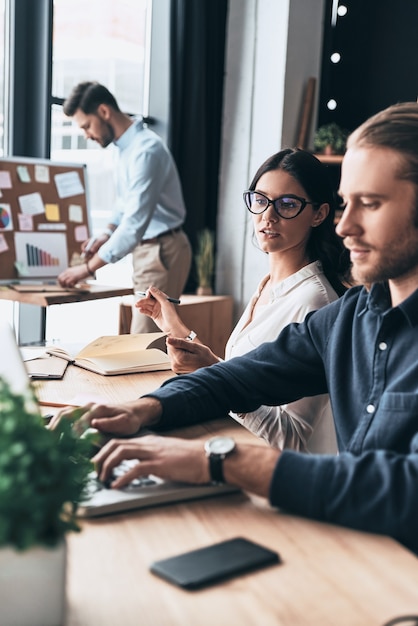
(42, 477)
(205, 261)
(330, 139)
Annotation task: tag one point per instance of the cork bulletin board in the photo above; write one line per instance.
(44, 217)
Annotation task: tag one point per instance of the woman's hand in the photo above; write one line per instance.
(163, 312)
(187, 356)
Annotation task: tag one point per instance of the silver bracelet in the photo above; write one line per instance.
(192, 335)
(108, 232)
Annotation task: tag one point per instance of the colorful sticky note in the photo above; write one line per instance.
(22, 268)
(5, 180)
(52, 212)
(81, 233)
(25, 221)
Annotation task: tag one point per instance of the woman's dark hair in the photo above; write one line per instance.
(324, 245)
(87, 97)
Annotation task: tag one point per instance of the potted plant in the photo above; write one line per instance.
(330, 139)
(205, 261)
(42, 477)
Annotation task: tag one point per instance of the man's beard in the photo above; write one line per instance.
(108, 136)
(398, 261)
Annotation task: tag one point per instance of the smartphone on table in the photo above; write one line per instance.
(214, 563)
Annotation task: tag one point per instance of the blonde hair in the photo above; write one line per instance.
(395, 128)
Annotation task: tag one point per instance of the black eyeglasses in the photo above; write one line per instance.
(287, 206)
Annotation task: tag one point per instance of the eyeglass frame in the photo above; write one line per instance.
(304, 203)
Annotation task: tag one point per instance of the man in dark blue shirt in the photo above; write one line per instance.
(361, 349)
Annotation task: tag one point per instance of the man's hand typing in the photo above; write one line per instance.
(116, 419)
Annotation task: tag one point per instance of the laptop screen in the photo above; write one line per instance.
(12, 368)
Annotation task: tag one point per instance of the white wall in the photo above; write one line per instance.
(273, 47)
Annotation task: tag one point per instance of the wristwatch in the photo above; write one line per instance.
(217, 448)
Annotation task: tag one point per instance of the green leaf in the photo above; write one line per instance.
(43, 474)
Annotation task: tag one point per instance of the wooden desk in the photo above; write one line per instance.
(88, 386)
(51, 295)
(42, 299)
(329, 575)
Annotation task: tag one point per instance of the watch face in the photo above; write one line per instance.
(220, 445)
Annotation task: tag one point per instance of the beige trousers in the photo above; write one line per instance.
(165, 264)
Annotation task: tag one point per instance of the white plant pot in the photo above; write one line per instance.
(32, 586)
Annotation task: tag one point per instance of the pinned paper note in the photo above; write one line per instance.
(68, 184)
(31, 204)
(75, 213)
(5, 180)
(81, 233)
(42, 173)
(52, 212)
(25, 221)
(3, 243)
(23, 173)
(52, 226)
(6, 222)
(22, 268)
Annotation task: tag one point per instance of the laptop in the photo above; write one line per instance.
(99, 499)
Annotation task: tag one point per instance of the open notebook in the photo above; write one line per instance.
(100, 500)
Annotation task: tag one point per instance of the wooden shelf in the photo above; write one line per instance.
(330, 159)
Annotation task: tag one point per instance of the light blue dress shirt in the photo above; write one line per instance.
(148, 189)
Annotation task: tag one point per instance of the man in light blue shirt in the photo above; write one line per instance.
(149, 213)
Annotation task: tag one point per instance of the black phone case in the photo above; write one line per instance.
(214, 563)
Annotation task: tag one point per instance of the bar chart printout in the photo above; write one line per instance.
(40, 255)
(37, 256)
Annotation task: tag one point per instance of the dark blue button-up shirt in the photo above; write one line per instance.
(364, 353)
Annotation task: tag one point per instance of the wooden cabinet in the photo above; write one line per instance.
(211, 317)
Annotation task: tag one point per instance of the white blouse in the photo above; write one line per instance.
(306, 424)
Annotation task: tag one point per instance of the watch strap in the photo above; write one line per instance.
(216, 468)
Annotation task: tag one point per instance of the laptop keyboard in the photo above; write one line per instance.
(94, 485)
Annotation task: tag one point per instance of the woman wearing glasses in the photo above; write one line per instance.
(293, 209)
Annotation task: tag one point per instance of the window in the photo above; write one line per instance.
(106, 41)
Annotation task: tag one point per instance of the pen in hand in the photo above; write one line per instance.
(142, 294)
(88, 247)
